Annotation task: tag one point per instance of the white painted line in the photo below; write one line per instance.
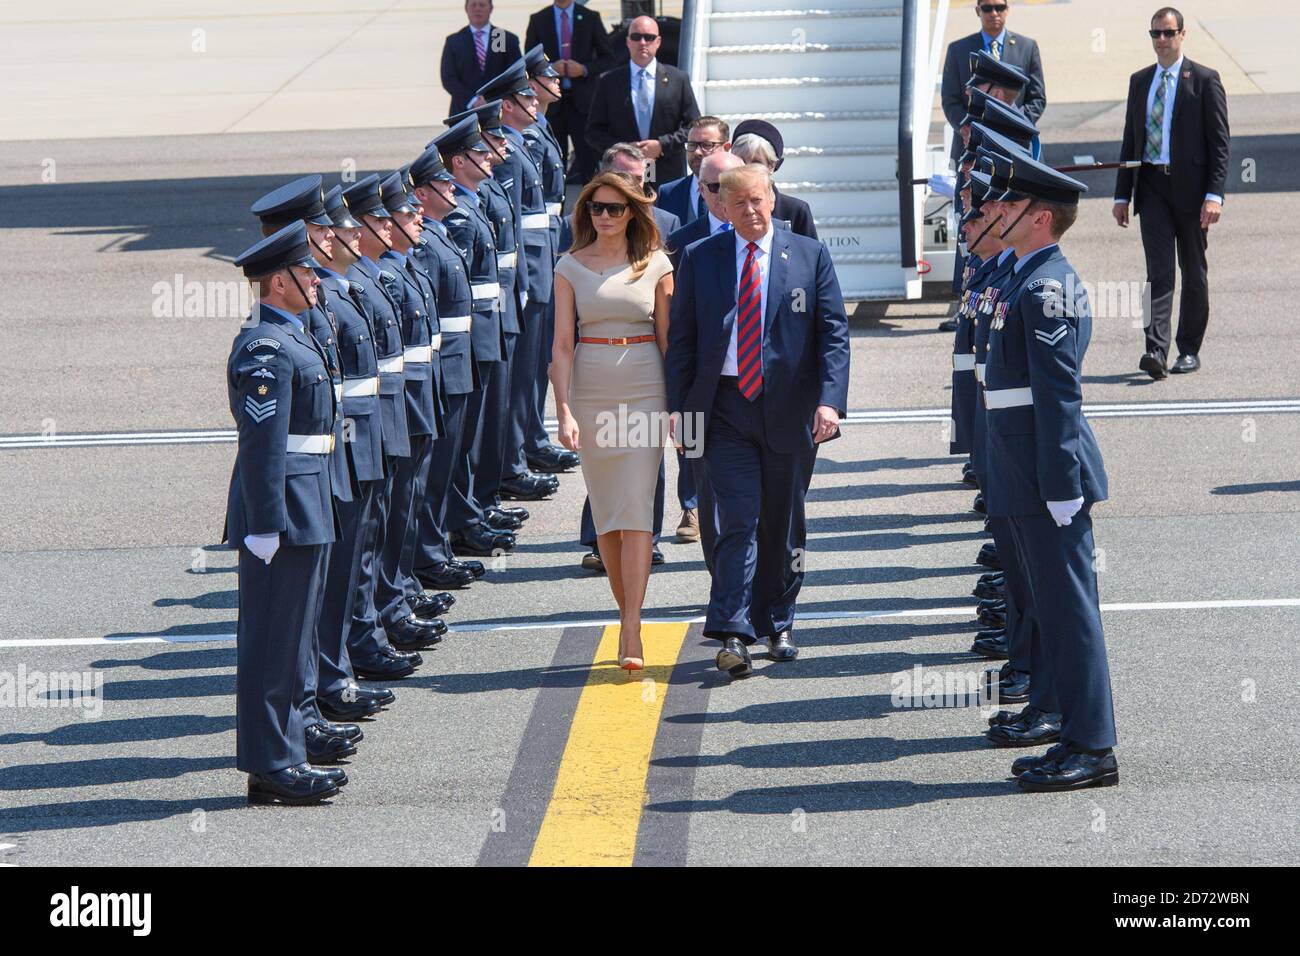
(902, 416)
(481, 626)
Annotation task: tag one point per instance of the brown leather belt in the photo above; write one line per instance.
(634, 340)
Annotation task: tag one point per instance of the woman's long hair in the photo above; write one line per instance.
(642, 234)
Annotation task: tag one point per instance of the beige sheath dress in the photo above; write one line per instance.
(617, 392)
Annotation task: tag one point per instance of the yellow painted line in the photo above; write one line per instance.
(595, 809)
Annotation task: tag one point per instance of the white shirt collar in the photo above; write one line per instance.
(1174, 70)
(764, 242)
(651, 68)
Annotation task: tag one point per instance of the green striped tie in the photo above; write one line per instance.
(1155, 122)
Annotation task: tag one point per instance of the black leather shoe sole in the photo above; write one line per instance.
(397, 673)
(1002, 736)
(262, 796)
(1182, 368)
(358, 711)
(527, 494)
(1108, 778)
(333, 756)
(550, 467)
(465, 548)
(1152, 366)
(733, 664)
(991, 651)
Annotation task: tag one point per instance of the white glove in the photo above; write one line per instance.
(1063, 511)
(263, 545)
(943, 185)
(523, 300)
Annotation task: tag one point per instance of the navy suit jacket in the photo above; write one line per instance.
(1018, 50)
(805, 335)
(693, 232)
(675, 196)
(589, 45)
(461, 76)
(612, 118)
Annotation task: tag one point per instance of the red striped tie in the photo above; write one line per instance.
(749, 327)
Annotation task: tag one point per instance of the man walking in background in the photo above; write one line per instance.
(475, 54)
(1177, 124)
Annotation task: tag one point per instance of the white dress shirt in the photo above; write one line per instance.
(693, 196)
(716, 224)
(762, 259)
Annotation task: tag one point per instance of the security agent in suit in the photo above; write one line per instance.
(280, 514)
(1177, 124)
(374, 284)
(399, 597)
(303, 200)
(768, 381)
(460, 70)
(758, 141)
(435, 564)
(530, 260)
(578, 64)
(465, 156)
(351, 645)
(1050, 470)
(997, 44)
(644, 102)
(682, 197)
(541, 454)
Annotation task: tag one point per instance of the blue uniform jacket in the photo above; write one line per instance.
(419, 325)
(360, 414)
(536, 233)
(321, 322)
(1040, 446)
(963, 359)
(545, 151)
(988, 293)
(496, 205)
(385, 319)
(452, 299)
(805, 334)
(469, 231)
(279, 386)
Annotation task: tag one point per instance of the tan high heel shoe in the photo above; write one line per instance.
(628, 663)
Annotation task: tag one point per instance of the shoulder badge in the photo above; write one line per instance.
(262, 343)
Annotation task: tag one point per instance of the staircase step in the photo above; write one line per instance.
(815, 26)
(753, 60)
(764, 6)
(890, 294)
(858, 233)
(832, 128)
(840, 162)
(846, 198)
(795, 92)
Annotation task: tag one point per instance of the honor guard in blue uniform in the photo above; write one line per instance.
(351, 645)
(541, 453)
(435, 564)
(465, 156)
(376, 285)
(519, 113)
(1049, 469)
(398, 591)
(304, 200)
(280, 515)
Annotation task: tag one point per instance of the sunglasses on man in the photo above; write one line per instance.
(614, 210)
(993, 8)
(1167, 34)
(643, 37)
(711, 187)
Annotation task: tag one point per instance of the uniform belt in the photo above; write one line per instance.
(1008, 397)
(536, 220)
(485, 290)
(979, 372)
(361, 387)
(392, 365)
(435, 343)
(962, 363)
(418, 354)
(634, 340)
(310, 444)
(555, 208)
(507, 260)
(456, 323)
(338, 391)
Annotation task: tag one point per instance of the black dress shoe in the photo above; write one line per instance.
(1005, 717)
(335, 775)
(413, 633)
(1021, 764)
(344, 705)
(553, 460)
(1072, 771)
(734, 658)
(781, 647)
(479, 540)
(444, 575)
(969, 480)
(1009, 685)
(326, 748)
(988, 557)
(475, 568)
(289, 786)
(986, 590)
(380, 696)
(994, 577)
(1185, 364)
(347, 731)
(991, 644)
(948, 325)
(1153, 365)
(527, 488)
(978, 506)
(996, 605)
(383, 667)
(499, 520)
(520, 513)
(592, 561)
(1031, 729)
(656, 556)
(431, 603)
(992, 619)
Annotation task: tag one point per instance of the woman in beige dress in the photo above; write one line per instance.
(612, 293)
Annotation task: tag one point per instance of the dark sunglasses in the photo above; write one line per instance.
(993, 8)
(1167, 34)
(643, 37)
(614, 210)
(711, 187)
(703, 146)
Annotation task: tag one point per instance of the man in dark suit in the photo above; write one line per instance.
(681, 197)
(644, 102)
(758, 369)
(1177, 124)
(475, 54)
(995, 39)
(576, 43)
(758, 141)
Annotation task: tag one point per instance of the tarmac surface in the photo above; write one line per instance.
(506, 746)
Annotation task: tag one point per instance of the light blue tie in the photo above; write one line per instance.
(643, 103)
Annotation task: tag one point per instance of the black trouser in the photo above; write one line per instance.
(569, 122)
(1170, 233)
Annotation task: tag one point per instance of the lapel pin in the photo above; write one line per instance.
(784, 254)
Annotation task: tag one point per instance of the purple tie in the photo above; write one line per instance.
(480, 49)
